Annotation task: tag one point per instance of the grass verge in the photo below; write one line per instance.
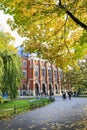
(19, 106)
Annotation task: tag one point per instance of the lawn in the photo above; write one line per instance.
(18, 106)
(11, 104)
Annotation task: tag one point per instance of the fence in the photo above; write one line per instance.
(32, 104)
(36, 103)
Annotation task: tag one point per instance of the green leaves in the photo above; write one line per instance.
(76, 77)
(10, 67)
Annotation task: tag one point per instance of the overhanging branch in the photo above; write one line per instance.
(77, 21)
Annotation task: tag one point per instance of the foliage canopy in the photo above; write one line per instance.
(54, 28)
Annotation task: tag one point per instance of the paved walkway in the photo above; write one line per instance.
(59, 115)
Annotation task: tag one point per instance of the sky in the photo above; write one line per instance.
(6, 28)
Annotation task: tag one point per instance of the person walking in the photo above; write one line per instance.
(69, 95)
(64, 95)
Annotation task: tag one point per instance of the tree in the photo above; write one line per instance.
(76, 77)
(10, 66)
(53, 28)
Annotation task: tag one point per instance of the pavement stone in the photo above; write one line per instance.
(59, 115)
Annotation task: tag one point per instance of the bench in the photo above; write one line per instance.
(36, 103)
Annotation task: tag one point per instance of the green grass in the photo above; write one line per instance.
(20, 105)
(11, 104)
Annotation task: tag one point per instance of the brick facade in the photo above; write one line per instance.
(39, 77)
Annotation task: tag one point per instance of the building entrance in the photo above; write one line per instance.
(36, 89)
(43, 89)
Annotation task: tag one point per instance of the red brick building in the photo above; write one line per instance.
(39, 77)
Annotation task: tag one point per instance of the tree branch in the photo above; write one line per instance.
(77, 21)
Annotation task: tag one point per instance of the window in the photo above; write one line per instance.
(55, 73)
(24, 63)
(24, 73)
(50, 73)
(43, 72)
(36, 71)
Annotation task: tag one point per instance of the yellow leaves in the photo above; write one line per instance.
(76, 34)
(30, 12)
(20, 129)
(53, 127)
(31, 47)
(32, 126)
(43, 22)
(13, 49)
(5, 43)
(43, 128)
(33, 11)
(18, 1)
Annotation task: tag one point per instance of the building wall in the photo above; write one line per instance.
(40, 77)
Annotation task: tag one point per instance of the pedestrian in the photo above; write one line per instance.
(69, 95)
(64, 95)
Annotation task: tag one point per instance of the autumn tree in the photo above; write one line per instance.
(53, 28)
(77, 78)
(10, 66)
